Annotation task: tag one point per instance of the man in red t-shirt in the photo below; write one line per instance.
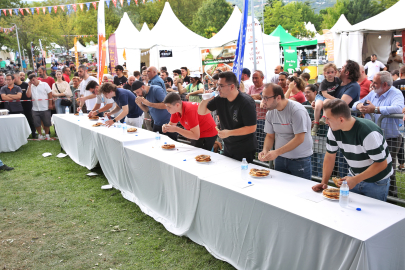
(201, 129)
(43, 77)
(66, 74)
(364, 83)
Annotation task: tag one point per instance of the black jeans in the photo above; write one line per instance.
(250, 155)
(401, 158)
(28, 115)
(172, 135)
(204, 143)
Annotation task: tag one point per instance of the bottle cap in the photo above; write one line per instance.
(165, 142)
(358, 209)
(249, 182)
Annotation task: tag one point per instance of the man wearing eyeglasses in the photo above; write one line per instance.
(237, 114)
(287, 126)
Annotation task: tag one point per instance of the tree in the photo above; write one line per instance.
(212, 15)
(309, 15)
(332, 14)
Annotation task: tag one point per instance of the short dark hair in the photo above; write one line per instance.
(178, 71)
(373, 54)
(64, 69)
(136, 85)
(395, 72)
(185, 68)
(163, 68)
(277, 90)
(312, 87)
(284, 74)
(10, 75)
(119, 67)
(298, 81)
(402, 70)
(91, 85)
(137, 73)
(107, 88)
(299, 72)
(165, 72)
(338, 108)
(246, 71)
(305, 76)
(30, 72)
(172, 98)
(82, 67)
(215, 76)
(32, 76)
(229, 77)
(354, 70)
(76, 74)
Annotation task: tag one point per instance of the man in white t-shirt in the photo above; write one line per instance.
(394, 60)
(374, 67)
(93, 87)
(40, 92)
(246, 79)
(86, 96)
(277, 71)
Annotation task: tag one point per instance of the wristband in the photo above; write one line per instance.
(115, 121)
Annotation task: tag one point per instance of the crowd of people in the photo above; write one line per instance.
(247, 119)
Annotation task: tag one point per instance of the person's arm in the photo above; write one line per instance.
(396, 106)
(29, 93)
(326, 95)
(358, 105)
(160, 105)
(125, 110)
(182, 89)
(328, 165)
(6, 97)
(289, 91)
(200, 91)
(192, 134)
(374, 169)
(292, 98)
(16, 96)
(267, 146)
(50, 104)
(291, 145)
(84, 98)
(225, 133)
(202, 108)
(347, 99)
(138, 101)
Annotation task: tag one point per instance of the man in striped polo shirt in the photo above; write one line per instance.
(364, 148)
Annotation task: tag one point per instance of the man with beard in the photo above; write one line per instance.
(86, 96)
(385, 100)
(128, 84)
(282, 81)
(27, 105)
(374, 67)
(43, 77)
(2, 83)
(287, 126)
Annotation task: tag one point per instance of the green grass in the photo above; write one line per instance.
(53, 216)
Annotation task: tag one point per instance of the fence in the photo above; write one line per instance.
(386, 122)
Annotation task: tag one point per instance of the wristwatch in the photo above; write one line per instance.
(97, 112)
(115, 121)
(376, 110)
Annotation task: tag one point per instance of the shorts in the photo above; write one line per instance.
(319, 97)
(44, 116)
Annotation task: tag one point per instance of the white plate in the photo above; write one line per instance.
(260, 176)
(204, 162)
(94, 119)
(107, 187)
(329, 198)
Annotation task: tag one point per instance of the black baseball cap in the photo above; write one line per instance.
(246, 71)
(136, 85)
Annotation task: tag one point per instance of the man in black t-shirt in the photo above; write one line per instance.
(184, 75)
(165, 77)
(401, 81)
(27, 105)
(120, 79)
(237, 114)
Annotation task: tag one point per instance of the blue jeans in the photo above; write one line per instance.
(1, 163)
(377, 190)
(300, 167)
(58, 107)
(317, 164)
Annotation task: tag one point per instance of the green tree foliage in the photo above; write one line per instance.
(211, 16)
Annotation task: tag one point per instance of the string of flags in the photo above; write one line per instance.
(7, 30)
(144, 53)
(79, 36)
(69, 8)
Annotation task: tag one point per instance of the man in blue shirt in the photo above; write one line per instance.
(349, 91)
(385, 100)
(154, 78)
(125, 100)
(150, 99)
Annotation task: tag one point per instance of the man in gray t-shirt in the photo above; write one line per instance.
(288, 126)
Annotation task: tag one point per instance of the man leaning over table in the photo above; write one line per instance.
(12, 93)
(385, 100)
(237, 114)
(125, 100)
(40, 91)
(364, 148)
(288, 127)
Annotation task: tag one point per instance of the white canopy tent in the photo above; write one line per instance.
(145, 35)
(80, 47)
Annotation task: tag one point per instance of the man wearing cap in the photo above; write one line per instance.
(154, 78)
(150, 99)
(246, 78)
(120, 79)
(125, 100)
(194, 88)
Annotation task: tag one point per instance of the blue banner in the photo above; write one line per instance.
(240, 46)
(108, 3)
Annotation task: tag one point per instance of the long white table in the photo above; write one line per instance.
(14, 131)
(265, 226)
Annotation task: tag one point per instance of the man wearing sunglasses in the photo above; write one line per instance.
(288, 128)
(237, 114)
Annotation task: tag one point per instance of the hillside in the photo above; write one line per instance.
(316, 4)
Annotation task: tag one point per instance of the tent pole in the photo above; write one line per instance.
(317, 58)
(253, 31)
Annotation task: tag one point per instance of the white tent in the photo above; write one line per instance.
(80, 47)
(127, 37)
(341, 25)
(145, 29)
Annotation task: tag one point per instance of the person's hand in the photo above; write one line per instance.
(319, 187)
(262, 154)
(351, 181)
(92, 113)
(109, 123)
(138, 100)
(271, 155)
(256, 97)
(187, 96)
(291, 86)
(369, 108)
(82, 100)
(107, 114)
(209, 91)
(313, 104)
(78, 109)
(169, 128)
(223, 134)
(51, 106)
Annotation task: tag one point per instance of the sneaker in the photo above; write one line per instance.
(5, 168)
(34, 136)
(322, 121)
(401, 167)
(47, 137)
(43, 132)
(41, 137)
(314, 129)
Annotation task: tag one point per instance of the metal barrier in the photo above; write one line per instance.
(397, 189)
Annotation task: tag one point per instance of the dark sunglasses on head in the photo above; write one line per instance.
(284, 73)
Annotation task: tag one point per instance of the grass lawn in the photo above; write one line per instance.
(53, 216)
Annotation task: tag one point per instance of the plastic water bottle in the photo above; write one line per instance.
(80, 113)
(119, 124)
(124, 128)
(244, 169)
(157, 139)
(67, 111)
(401, 129)
(344, 195)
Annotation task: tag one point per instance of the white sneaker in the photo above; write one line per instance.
(43, 132)
(47, 137)
(41, 137)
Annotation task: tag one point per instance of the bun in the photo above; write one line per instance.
(203, 158)
(168, 146)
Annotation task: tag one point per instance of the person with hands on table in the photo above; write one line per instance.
(364, 148)
(94, 88)
(288, 125)
(125, 100)
(150, 99)
(201, 129)
(237, 112)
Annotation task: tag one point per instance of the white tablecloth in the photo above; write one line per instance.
(265, 226)
(14, 131)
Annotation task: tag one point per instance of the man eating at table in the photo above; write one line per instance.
(364, 148)
(199, 128)
(94, 88)
(237, 114)
(125, 100)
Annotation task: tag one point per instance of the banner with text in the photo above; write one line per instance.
(290, 58)
(218, 58)
(329, 43)
(112, 52)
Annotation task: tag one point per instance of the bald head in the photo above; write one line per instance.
(362, 74)
(131, 80)
(278, 69)
(152, 72)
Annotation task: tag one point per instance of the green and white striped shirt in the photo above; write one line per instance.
(363, 145)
